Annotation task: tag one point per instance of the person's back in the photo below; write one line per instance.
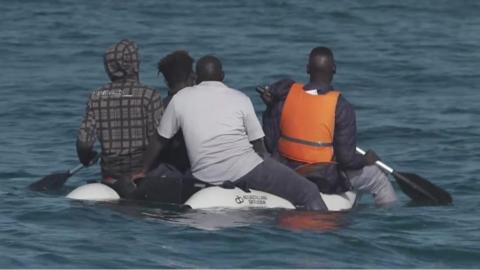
(122, 114)
(225, 140)
(213, 117)
(177, 70)
(314, 126)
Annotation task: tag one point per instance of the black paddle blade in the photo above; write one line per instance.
(50, 182)
(420, 190)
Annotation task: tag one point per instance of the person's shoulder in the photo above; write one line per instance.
(184, 95)
(237, 93)
(240, 97)
(147, 89)
(184, 92)
(343, 104)
(283, 83)
(341, 96)
(99, 92)
(144, 86)
(147, 92)
(280, 89)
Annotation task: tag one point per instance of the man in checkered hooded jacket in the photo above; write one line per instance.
(122, 115)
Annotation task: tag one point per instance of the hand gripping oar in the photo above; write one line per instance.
(55, 181)
(419, 189)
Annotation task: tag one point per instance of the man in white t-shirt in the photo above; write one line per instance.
(223, 136)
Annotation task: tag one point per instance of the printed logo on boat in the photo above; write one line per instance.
(239, 199)
(251, 199)
(256, 199)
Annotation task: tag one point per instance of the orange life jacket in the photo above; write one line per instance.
(307, 126)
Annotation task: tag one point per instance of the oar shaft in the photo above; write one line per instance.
(360, 151)
(80, 166)
(76, 169)
(379, 163)
(416, 187)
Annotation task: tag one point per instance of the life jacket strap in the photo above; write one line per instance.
(309, 143)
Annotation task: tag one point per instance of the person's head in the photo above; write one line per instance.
(122, 61)
(321, 65)
(177, 69)
(209, 68)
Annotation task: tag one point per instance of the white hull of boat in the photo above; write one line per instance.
(218, 197)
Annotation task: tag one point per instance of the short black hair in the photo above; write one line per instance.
(176, 67)
(321, 51)
(209, 68)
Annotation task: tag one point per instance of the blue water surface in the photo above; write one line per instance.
(411, 69)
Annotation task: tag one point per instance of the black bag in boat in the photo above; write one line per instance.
(163, 184)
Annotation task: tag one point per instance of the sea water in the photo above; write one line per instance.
(410, 68)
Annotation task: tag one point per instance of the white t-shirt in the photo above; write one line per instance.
(218, 124)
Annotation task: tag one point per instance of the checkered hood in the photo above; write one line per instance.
(122, 60)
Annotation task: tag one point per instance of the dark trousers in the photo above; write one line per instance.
(327, 176)
(275, 178)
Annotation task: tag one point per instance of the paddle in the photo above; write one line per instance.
(55, 181)
(419, 189)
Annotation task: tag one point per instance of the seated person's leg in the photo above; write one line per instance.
(326, 176)
(273, 177)
(374, 181)
(190, 186)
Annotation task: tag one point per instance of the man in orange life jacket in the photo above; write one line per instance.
(314, 124)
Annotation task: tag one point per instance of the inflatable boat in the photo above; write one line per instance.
(219, 197)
